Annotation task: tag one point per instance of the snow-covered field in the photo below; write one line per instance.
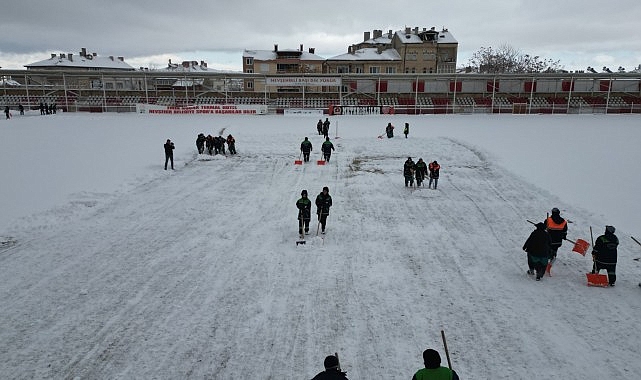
(111, 267)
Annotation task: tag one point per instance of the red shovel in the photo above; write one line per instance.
(580, 246)
(321, 161)
(299, 161)
(596, 279)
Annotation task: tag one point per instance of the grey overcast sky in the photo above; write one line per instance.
(147, 33)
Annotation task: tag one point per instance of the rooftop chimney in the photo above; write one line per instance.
(275, 47)
(70, 56)
(121, 59)
(366, 36)
(301, 47)
(53, 55)
(312, 50)
(83, 52)
(111, 57)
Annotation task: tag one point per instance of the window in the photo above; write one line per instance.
(342, 69)
(358, 70)
(374, 69)
(250, 84)
(249, 61)
(249, 71)
(390, 70)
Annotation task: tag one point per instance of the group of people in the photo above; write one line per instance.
(432, 371)
(420, 171)
(546, 239)
(215, 144)
(304, 204)
(326, 148)
(323, 127)
(45, 109)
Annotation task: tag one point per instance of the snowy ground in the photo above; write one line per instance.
(111, 267)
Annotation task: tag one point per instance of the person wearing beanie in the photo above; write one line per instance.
(323, 203)
(304, 206)
(604, 254)
(332, 370)
(327, 148)
(537, 247)
(434, 169)
(433, 369)
(558, 229)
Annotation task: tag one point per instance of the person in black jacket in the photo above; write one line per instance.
(304, 206)
(200, 143)
(306, 148)
(537, 247)
(169, 153)
(327, 148)
(421, 172)
(323, 203)
(604, 254)
(408, 172)
(332, 370)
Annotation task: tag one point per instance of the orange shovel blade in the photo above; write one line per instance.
(581, 246)
(320, 162)
(596, 279)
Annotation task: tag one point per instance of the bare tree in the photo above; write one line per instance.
(507, 59)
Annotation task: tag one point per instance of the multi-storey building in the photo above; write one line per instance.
(406, 51)
(279, 61)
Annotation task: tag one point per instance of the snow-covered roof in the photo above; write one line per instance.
(267, 55)
(444, 37)
(368, 54)
(88, 61)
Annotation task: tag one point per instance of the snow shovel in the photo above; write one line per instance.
(596, 279)
(299, 161)
(580, 246)
(321, 161)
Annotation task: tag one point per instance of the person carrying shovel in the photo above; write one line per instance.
(604, 254)
(306, 148)
(558, 229)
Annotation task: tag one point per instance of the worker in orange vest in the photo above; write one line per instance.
(557, 227)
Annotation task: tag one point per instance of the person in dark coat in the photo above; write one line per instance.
(21, 109)
(434, 169)
(332, 370)
(200, 143)
(433, 369)
(169, 153)
(389, 130)
(420, 172)
(537, 247)
(306, 148)
(209, 143)
(604, 254)
(231, 144)
(557, 228)
(327, 148)
(406, 130)
(319, 126)
(323, 203)
(408, 172)
(7, 112)
(304, 206)
(326, 128)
